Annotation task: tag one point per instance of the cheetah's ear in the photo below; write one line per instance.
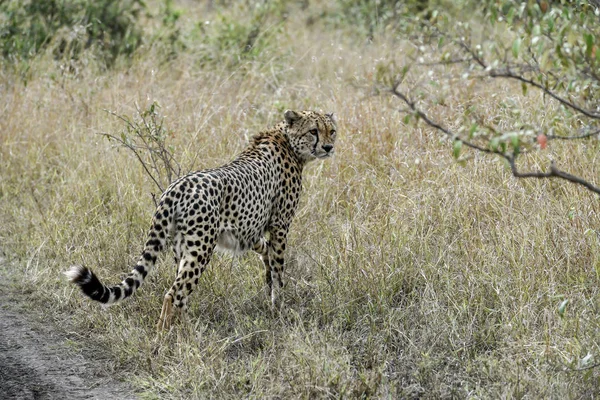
(291, 117)
(332, 117)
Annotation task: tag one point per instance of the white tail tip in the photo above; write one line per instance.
(78, 274)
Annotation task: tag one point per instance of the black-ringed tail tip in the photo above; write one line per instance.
(89, 283)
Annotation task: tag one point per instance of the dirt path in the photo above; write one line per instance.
(35, 362)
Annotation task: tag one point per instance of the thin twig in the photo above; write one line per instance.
(582, 136)
(585, 368)
(134, 151)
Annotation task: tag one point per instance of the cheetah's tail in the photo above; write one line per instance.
(92, 287)
(96, 290)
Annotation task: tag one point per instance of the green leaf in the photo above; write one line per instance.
(472, 130)
(456, 147)
(589, 44)
(493, 16)
(511, 15)
(515, 142)
(550, 25)
(494, 143)
(406, 119)
(404, 71)
(524, 88)
(503, 147)
(562, 308)
(516, 47)
(586, 361)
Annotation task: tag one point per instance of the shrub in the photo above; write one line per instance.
(69, 27)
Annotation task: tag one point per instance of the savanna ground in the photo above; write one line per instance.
(408, 275)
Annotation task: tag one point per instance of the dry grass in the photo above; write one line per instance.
(408, 275)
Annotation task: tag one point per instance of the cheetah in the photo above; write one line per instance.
(246, 204)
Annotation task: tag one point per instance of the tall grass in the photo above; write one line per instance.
(408, 275)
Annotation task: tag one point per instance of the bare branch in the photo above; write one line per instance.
(589, 366)
(445, 62)
(554, 172)
(582, 136)
(145, 136)
(473, 54)
(137, 155)
(508, 74)
(437, 126)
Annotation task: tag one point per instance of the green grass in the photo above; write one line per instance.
(408, 275)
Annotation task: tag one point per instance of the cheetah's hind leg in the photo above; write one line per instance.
(196, 255)
(262, 248)
(166, 315)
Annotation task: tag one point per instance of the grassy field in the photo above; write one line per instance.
(408, 275)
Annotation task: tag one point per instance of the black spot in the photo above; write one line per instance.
(141, 270)
(105, 296)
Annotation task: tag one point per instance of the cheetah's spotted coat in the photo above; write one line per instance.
(229, 208)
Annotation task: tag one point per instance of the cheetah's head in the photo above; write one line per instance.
(311, 134)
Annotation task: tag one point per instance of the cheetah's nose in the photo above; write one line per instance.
(327, 147)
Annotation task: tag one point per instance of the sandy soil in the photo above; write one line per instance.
(37, 363)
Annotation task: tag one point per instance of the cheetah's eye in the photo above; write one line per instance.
(314, 132)
(332, 132)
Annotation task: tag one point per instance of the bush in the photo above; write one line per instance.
(244, 34)
(69, 27)
(372, 16)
